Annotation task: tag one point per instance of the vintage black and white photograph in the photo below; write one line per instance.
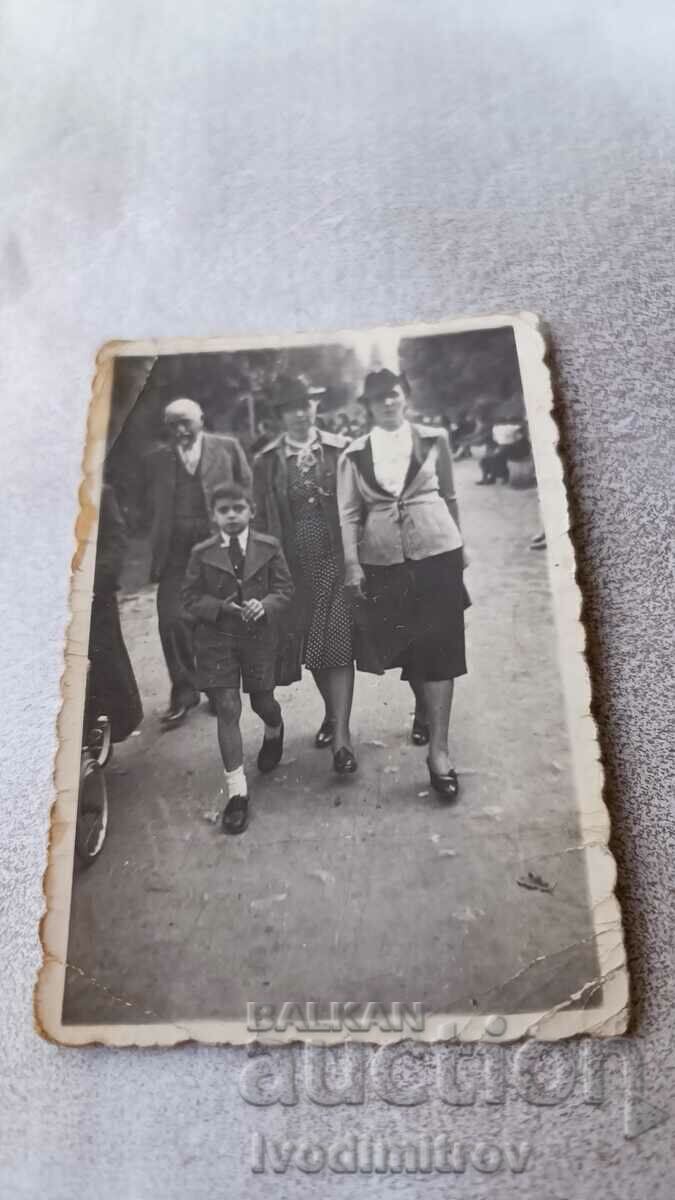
(326, 744)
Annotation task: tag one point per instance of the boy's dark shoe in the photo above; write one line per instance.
(235, 815)
(271, 752)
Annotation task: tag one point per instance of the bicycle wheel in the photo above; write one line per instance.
(92, 812)
(99, 742)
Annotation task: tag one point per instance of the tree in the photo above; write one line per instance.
(455, 372)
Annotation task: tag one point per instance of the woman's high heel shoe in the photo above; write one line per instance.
(420, 732)
(324, 734)
(447, 786)
(344, 761)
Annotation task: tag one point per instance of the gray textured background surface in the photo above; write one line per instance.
(205, 169)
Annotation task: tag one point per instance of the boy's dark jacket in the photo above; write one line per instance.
(210, 579)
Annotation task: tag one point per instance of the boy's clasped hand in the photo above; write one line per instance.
(250, 611)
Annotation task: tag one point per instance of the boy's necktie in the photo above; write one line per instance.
(236, 557)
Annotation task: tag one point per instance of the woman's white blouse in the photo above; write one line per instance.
(392, 450)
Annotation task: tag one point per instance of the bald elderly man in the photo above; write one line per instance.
(182, 477)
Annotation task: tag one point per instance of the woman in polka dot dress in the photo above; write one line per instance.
(295, 481)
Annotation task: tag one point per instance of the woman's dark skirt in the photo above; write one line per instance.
(413, 618)
(112, 688)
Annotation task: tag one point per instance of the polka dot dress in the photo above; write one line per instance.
(328, 638)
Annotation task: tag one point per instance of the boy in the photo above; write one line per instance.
(236, 585)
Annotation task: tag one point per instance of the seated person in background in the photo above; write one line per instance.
(480, 434)
(510, 443)
(236, 585)
(461, 432)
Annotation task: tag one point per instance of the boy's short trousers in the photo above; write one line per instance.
(242, 659)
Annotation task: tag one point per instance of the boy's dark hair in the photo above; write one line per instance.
(231, 491)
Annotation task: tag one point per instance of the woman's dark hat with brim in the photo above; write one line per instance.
(380, 384)
(290, 392)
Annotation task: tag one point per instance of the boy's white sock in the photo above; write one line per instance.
(235, 782)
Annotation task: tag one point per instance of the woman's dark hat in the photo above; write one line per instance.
(290, 392)
(380, 384)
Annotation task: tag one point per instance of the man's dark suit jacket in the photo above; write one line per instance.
(222, 461)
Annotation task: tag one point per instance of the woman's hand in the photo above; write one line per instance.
(354, 580)
(465, 558)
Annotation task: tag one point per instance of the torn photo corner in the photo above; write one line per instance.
(326, 766)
